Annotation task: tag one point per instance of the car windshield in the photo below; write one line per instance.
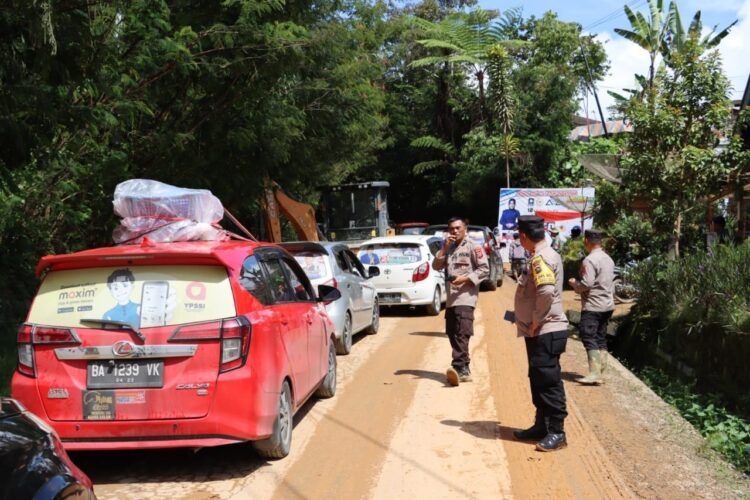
(315, 264)
(390, 254)
(476, 236)
(140, 296)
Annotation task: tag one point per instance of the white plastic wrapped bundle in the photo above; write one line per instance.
(165, 213)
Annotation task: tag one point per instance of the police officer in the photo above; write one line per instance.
(597, 303)
(465, 267)
(540, 319)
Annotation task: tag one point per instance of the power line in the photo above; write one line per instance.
(634, 5)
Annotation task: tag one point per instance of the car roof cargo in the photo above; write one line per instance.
(165, 213)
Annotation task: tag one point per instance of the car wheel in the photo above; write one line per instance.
(344, 344)
(491, 283)
(623, 294)
(280, 442)
(327, 388)
(434, 308)
(375, 324)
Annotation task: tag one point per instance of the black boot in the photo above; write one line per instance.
(536, 431)
(555, 438)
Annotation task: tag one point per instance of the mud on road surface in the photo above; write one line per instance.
(396, 430)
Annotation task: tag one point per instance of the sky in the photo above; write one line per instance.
(600, 17)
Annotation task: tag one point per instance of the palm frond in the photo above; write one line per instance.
(425, 166)
(431, 142)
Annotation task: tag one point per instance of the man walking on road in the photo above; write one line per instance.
(597, 303)
(466, 266)
(541, 321)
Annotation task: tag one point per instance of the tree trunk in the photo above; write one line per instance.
(482, 103)
(507, 170)
(674, 244)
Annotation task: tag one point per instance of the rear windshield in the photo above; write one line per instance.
(144, 296)
(412, 230)
(315, 264)
(390, 254)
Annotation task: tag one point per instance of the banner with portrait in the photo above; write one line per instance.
(561, 208)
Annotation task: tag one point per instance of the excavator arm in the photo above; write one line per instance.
(300, 215)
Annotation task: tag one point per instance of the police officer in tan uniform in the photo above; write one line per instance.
(541, 321)
(597, 303)
(466, 266)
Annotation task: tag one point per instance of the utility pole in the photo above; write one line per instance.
(593, 88)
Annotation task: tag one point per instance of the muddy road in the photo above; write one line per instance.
(396, 430)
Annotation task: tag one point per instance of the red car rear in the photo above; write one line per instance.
(175, 344)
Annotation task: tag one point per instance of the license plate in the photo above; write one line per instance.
(390, 298)
(121, 374)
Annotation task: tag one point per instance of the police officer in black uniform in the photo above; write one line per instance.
(541, 321)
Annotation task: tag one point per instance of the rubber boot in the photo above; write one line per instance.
(536, 431)
(595, 369)
(604, 356)
(555, 438)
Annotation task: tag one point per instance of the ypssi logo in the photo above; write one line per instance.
(83, 293)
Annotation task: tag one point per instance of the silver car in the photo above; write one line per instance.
(334, 264)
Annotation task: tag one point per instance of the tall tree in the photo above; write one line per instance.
(671, 158)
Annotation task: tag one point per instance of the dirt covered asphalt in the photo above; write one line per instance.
(395, 430)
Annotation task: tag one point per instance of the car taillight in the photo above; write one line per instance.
(421, 272)
(235, 343)
(51, 335)
(25, 351)
(30, 335)
(198, 331)
(234, 334)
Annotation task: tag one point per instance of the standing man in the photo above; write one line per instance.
(556, 242)
(517, 257)
(465, 267)
(542, 323)
(597, 303)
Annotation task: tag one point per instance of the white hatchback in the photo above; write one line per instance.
(406, 274)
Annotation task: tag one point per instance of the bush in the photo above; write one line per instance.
(700, 292)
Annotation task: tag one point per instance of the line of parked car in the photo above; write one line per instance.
(203, 343)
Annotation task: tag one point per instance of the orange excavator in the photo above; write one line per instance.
(301, 215)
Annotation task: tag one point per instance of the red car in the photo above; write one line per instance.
(175, 344)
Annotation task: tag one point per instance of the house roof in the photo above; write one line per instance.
(585, 132)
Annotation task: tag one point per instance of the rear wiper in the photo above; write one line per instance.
(110, 322)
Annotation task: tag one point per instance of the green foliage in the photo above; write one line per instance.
(212, 95)
(549, 74)
(700, 293)
(725, 432)
(671, 158)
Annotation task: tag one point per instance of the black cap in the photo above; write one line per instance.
(532, 226)
(594, 235)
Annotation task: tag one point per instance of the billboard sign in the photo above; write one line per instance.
(563, 208)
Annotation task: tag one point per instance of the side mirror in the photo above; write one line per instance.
(328, 294)
(373, 271)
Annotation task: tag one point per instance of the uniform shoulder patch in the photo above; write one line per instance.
(478, 253)
(541, 272)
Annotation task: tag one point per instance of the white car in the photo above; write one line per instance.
(406, 274)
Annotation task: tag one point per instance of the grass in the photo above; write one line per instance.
(724, 431)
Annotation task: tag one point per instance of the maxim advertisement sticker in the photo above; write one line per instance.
(142, 296)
